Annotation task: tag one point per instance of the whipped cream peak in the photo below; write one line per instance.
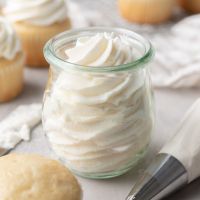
(36, 12)
(10, 44)
(102, 49)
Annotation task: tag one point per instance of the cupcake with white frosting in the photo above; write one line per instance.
(11, 62)
(36, 22)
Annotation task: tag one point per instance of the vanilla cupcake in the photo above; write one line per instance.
(146, 11)
(11, 62)
(36, 22)
(192, 6)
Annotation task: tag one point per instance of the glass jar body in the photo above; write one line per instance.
(98, 123)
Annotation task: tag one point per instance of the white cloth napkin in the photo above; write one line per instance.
(177, 60)
(18, 124)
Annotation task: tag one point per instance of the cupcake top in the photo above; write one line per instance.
(36, 12)
(10, 44)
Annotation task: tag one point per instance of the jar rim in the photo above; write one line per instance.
(56, 61)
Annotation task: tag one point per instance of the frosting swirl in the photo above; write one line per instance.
(10, 44)
(103, 49)
(93, 118)
(36, 12)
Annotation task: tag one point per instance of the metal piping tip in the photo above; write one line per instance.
(165, 175)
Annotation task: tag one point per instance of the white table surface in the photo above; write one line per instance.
(170, 107)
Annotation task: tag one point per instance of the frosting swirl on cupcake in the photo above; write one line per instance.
(10, 44)
(103, 49)
(36, 12)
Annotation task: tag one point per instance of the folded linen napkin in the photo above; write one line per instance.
(18, 124)
(177, 61)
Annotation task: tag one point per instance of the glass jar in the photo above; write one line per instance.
(98, 120)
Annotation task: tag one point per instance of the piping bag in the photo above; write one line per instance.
(177, 163)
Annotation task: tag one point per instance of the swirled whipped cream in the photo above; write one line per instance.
(98, 122)
(103, 49)
(9, 42)
(36, 12)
